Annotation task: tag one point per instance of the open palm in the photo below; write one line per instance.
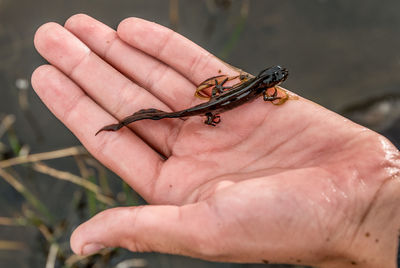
(294, 183)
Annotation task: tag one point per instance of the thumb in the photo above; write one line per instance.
(167, 229)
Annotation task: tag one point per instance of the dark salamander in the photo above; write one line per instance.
(223, 101)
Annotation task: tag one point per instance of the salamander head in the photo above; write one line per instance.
(273, 76)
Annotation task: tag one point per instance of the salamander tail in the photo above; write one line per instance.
(151, 113)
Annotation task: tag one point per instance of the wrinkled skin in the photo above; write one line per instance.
(294, 183)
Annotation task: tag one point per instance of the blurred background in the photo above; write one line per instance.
(341, 54)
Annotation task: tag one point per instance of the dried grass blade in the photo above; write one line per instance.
(76, 150)
(31, 198)
(67, 176)
(11, 245)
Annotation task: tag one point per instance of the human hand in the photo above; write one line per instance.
(294, 183)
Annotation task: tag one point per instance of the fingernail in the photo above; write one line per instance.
(92, 248)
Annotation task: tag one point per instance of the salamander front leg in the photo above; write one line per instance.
(273, 97)
(212, 120)
(219, 87)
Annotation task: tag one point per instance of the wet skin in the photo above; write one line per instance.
(226, 100)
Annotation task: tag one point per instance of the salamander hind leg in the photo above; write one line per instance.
(212, 119)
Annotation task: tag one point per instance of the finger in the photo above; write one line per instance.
(126, 154)
(161, 80)
(108, 87)
(192, 61)
(167, 229)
